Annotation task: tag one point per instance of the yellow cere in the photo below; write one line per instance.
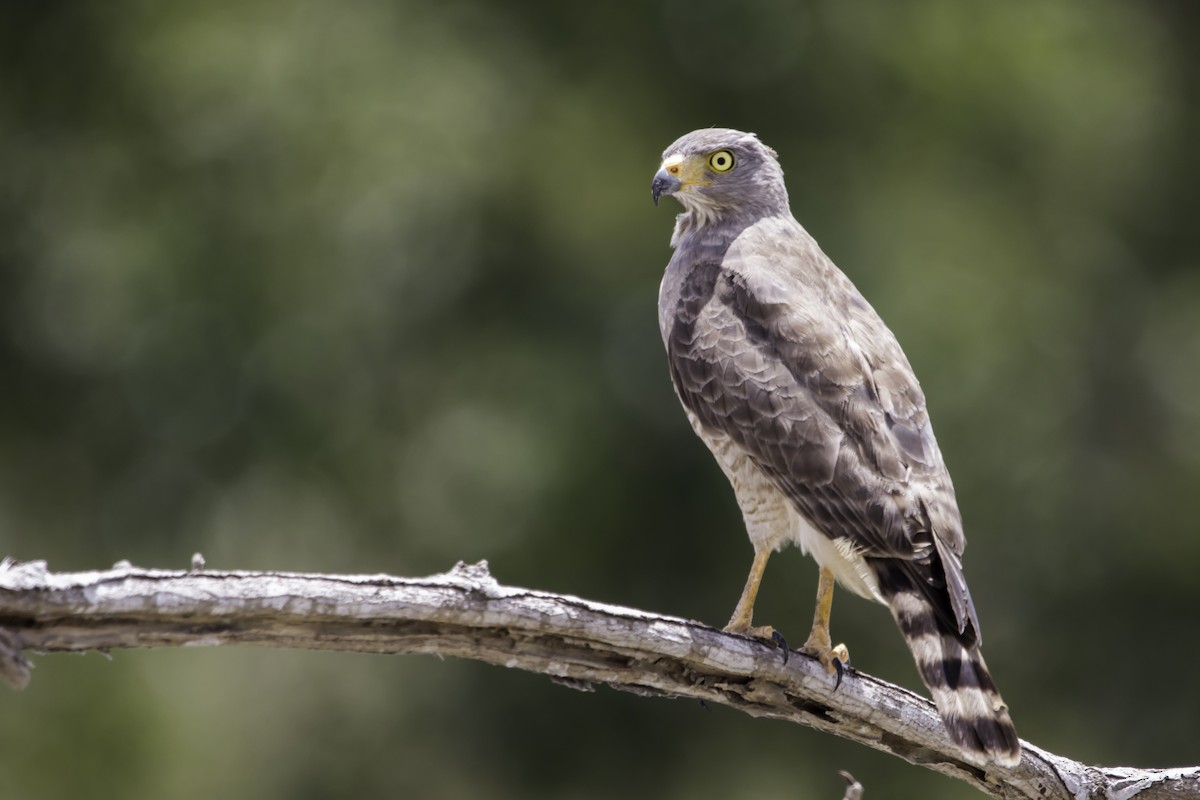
(690, 171)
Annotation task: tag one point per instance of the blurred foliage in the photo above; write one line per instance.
(371, 287)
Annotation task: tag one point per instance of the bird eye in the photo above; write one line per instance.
(721, 161)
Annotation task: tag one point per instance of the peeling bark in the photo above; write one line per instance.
(578, 643)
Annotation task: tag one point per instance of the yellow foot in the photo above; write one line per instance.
(764, 632)
(835, 659)
(842, 654)
(757, 631)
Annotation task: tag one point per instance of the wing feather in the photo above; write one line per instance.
(826, 405)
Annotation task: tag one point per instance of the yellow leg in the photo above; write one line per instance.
(819, 644)
(740, 622)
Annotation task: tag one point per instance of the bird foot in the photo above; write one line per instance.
(834, 658)
(764, 632)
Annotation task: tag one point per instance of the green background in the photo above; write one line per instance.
(371, 287)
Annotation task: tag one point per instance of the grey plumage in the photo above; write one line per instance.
(810, 406)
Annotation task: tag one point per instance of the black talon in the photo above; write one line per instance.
(782, 644)
(841, 669)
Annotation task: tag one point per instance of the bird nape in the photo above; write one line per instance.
(812, 410)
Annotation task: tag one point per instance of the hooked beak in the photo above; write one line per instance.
(664, 183)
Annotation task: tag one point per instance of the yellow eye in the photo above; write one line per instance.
(721, 161)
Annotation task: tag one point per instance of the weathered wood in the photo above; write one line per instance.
(468, 614)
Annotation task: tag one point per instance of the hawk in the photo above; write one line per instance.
(809, 405)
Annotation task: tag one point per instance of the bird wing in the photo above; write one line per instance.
(772, 346)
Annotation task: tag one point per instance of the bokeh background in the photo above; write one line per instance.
(372, 286)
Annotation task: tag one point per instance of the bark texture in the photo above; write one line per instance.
(578, 643)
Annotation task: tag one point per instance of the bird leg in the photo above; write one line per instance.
(740, 622)
(819, 645)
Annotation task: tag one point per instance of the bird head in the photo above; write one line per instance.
(716, 172)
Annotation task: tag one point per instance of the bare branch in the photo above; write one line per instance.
(466, 613)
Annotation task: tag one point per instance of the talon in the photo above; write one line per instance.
(782, 644)
(834, 659)
(763, 632)
(839, 657)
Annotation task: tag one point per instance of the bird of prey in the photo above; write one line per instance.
(809, 405)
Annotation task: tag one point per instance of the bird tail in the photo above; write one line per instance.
(952, 667)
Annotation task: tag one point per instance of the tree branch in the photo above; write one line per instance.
(578, 643)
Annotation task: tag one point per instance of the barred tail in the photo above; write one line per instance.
(952, 667)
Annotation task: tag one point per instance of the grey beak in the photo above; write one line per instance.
(664, 183)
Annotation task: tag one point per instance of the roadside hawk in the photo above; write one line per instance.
(810, 407)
